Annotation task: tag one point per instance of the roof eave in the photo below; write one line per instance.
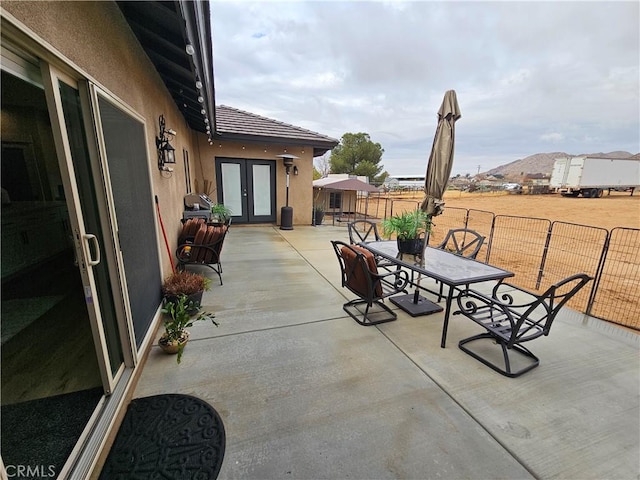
(319, 147)
(164, 29)
(196, 15)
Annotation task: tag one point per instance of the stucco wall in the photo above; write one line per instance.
(95, 37)
(300, 186)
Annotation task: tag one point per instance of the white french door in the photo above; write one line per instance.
(247, 187)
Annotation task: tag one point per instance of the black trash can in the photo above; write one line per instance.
(286, 218)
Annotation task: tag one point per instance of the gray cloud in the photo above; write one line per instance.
(530, 76)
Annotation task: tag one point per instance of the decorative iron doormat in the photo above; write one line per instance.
(167, 436)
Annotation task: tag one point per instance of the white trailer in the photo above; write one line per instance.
(591, 176)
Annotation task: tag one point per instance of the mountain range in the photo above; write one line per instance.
(543, 163)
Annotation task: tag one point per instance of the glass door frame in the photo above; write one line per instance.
(244, 191)
(93, 94)
(85, 252)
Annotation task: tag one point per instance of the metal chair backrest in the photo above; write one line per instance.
(358, 270)
(363, 231)
(462, 241)
(547, 305)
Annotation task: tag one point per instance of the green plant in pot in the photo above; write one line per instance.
(179, 315)
(318, 214)
(183, 282)
(220, 213)
(409, 228)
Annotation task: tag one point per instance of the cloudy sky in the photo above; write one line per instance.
(531, 77)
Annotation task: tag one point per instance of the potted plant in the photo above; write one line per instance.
(178, 317)
(220, 213)
(183, 282)
(409, 228)
(318, 214)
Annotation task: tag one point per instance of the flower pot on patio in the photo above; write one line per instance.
(414, 246)
(179, 315)
(180, 283)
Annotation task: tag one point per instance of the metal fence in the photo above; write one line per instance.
(541, 252)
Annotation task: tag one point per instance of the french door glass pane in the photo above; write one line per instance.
(261, 190)
(231, 186)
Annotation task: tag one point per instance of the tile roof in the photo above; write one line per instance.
(235, 124)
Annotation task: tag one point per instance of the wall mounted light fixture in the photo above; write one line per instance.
(166, 152)
(295, 169)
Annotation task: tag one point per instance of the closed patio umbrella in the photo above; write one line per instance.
(436, 178)
(441, 158)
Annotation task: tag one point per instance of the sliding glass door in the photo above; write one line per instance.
(52, 375)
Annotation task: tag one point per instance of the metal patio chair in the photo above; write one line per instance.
(202, 248)
(362, 231)
(510, 322)
(360, 275)
(463, 242)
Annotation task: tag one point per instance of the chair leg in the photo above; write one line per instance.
(366, 317)
(506, 371)
(217, 270)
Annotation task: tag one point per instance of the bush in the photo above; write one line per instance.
(185, 283)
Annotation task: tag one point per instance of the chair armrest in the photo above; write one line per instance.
(502, 294)
(399, 281)
(502, 300)
(183, 251)
(480, 308)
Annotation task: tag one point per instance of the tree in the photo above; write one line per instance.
(322, 166)
(356, 154)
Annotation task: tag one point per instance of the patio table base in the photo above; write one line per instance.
(416, 305)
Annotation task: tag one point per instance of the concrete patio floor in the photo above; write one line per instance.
(305, 392)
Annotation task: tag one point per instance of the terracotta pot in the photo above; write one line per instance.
(173, 347)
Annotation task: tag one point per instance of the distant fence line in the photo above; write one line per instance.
(541, 252)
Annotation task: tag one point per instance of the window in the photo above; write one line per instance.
(335, 200)
(187, 170)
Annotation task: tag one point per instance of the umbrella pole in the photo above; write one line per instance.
(416, 294)
(412, 303)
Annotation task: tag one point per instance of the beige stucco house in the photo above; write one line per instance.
(93, 94)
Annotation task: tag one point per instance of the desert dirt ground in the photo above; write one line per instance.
(620, 209)
(572, 247)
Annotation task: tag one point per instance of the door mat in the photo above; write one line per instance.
(167, 436)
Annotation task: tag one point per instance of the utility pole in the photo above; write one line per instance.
(479, 169)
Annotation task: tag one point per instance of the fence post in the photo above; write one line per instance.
(599, 270)
(490, 243)
(544, 255)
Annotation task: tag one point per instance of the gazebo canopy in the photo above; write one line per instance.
(344, 184)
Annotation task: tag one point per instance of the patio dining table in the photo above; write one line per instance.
(448, 268)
